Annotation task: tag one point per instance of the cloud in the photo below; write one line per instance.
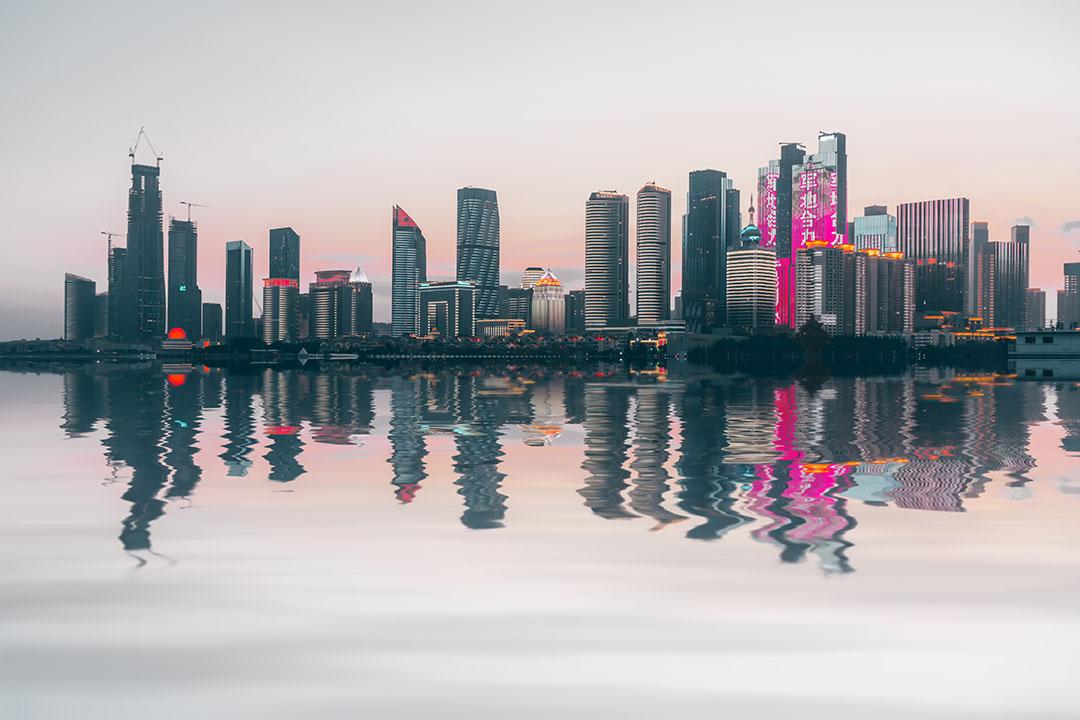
(1070, 226)
(1024, 221)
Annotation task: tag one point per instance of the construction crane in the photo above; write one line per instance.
(110, 236)
(191, 205)
(142, 134)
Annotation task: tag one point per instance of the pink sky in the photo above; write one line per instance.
(324, 117)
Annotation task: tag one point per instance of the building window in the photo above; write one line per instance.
(1030, 340)
(1029, 373)
(1048, 339)
(1048, 373)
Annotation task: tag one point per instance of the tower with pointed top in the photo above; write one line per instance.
(409, 269)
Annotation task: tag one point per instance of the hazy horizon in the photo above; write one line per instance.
(323, 119)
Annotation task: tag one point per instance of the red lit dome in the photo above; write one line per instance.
(177, 333)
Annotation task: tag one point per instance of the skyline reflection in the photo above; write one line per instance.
(790, 463)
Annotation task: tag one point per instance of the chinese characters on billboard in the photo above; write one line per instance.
(767, 177)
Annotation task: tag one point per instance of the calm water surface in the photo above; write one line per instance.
(529, 543)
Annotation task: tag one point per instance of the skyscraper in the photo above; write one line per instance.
(80, 298)
(791, 157)
(574, 314)
(705, 244)
(976, 282)
(884, 293)
(211, 321)
(818, 212)
(1034, 309)
(1068, 298)
(826, 286)
(530, 275)
(239, 322)
(653, 254)
(478, 246)
(548, 305)
(409, 270)
(101, 315)
(142, 303)
(875, 229)
(280, 314)
(117, 265)
(607, 259)
(340, 304)
(185, 298)
(1010, 277)
(751, 288)
(935, 235)
(519, 304)
(285, 254)
(448, 309)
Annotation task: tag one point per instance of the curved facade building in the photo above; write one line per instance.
(80, 297)
(607, 279)
(653, 254)
(478, 246)
(548, 305)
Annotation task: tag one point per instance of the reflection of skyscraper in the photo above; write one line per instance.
(606, 445)
(478, 246)
(142, 308)
(183, 418)
(707, 484)
(136, 417)
(652, 444)
(281, 401)
(239, 422)
(185, 298)
(407, 445)
(607, 260)
(409, 270)
(478, 455)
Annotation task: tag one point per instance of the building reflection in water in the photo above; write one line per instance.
(787, 462)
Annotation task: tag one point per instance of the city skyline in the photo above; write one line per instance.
(933, 147)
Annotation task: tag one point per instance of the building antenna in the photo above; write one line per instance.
(191, 205)
(142, 134)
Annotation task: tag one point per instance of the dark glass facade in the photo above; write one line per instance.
(185, 298)
(239, 322)
(80, 301)
(284, 254)
(478, 246)
(142, 308)
(409, 269)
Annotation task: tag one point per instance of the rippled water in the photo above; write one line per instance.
(519, 543)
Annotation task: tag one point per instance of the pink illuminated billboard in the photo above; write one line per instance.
(767, 205)
(815, 208)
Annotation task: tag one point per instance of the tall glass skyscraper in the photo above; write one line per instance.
(117, 265)
(478, 246)
(1011, 261)
(239, 322)
(284, 254)
(408, 271)
(935, 235)
(706, 230)
(607, 259)
(142, 307)
(653, 296)
(185, 298)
